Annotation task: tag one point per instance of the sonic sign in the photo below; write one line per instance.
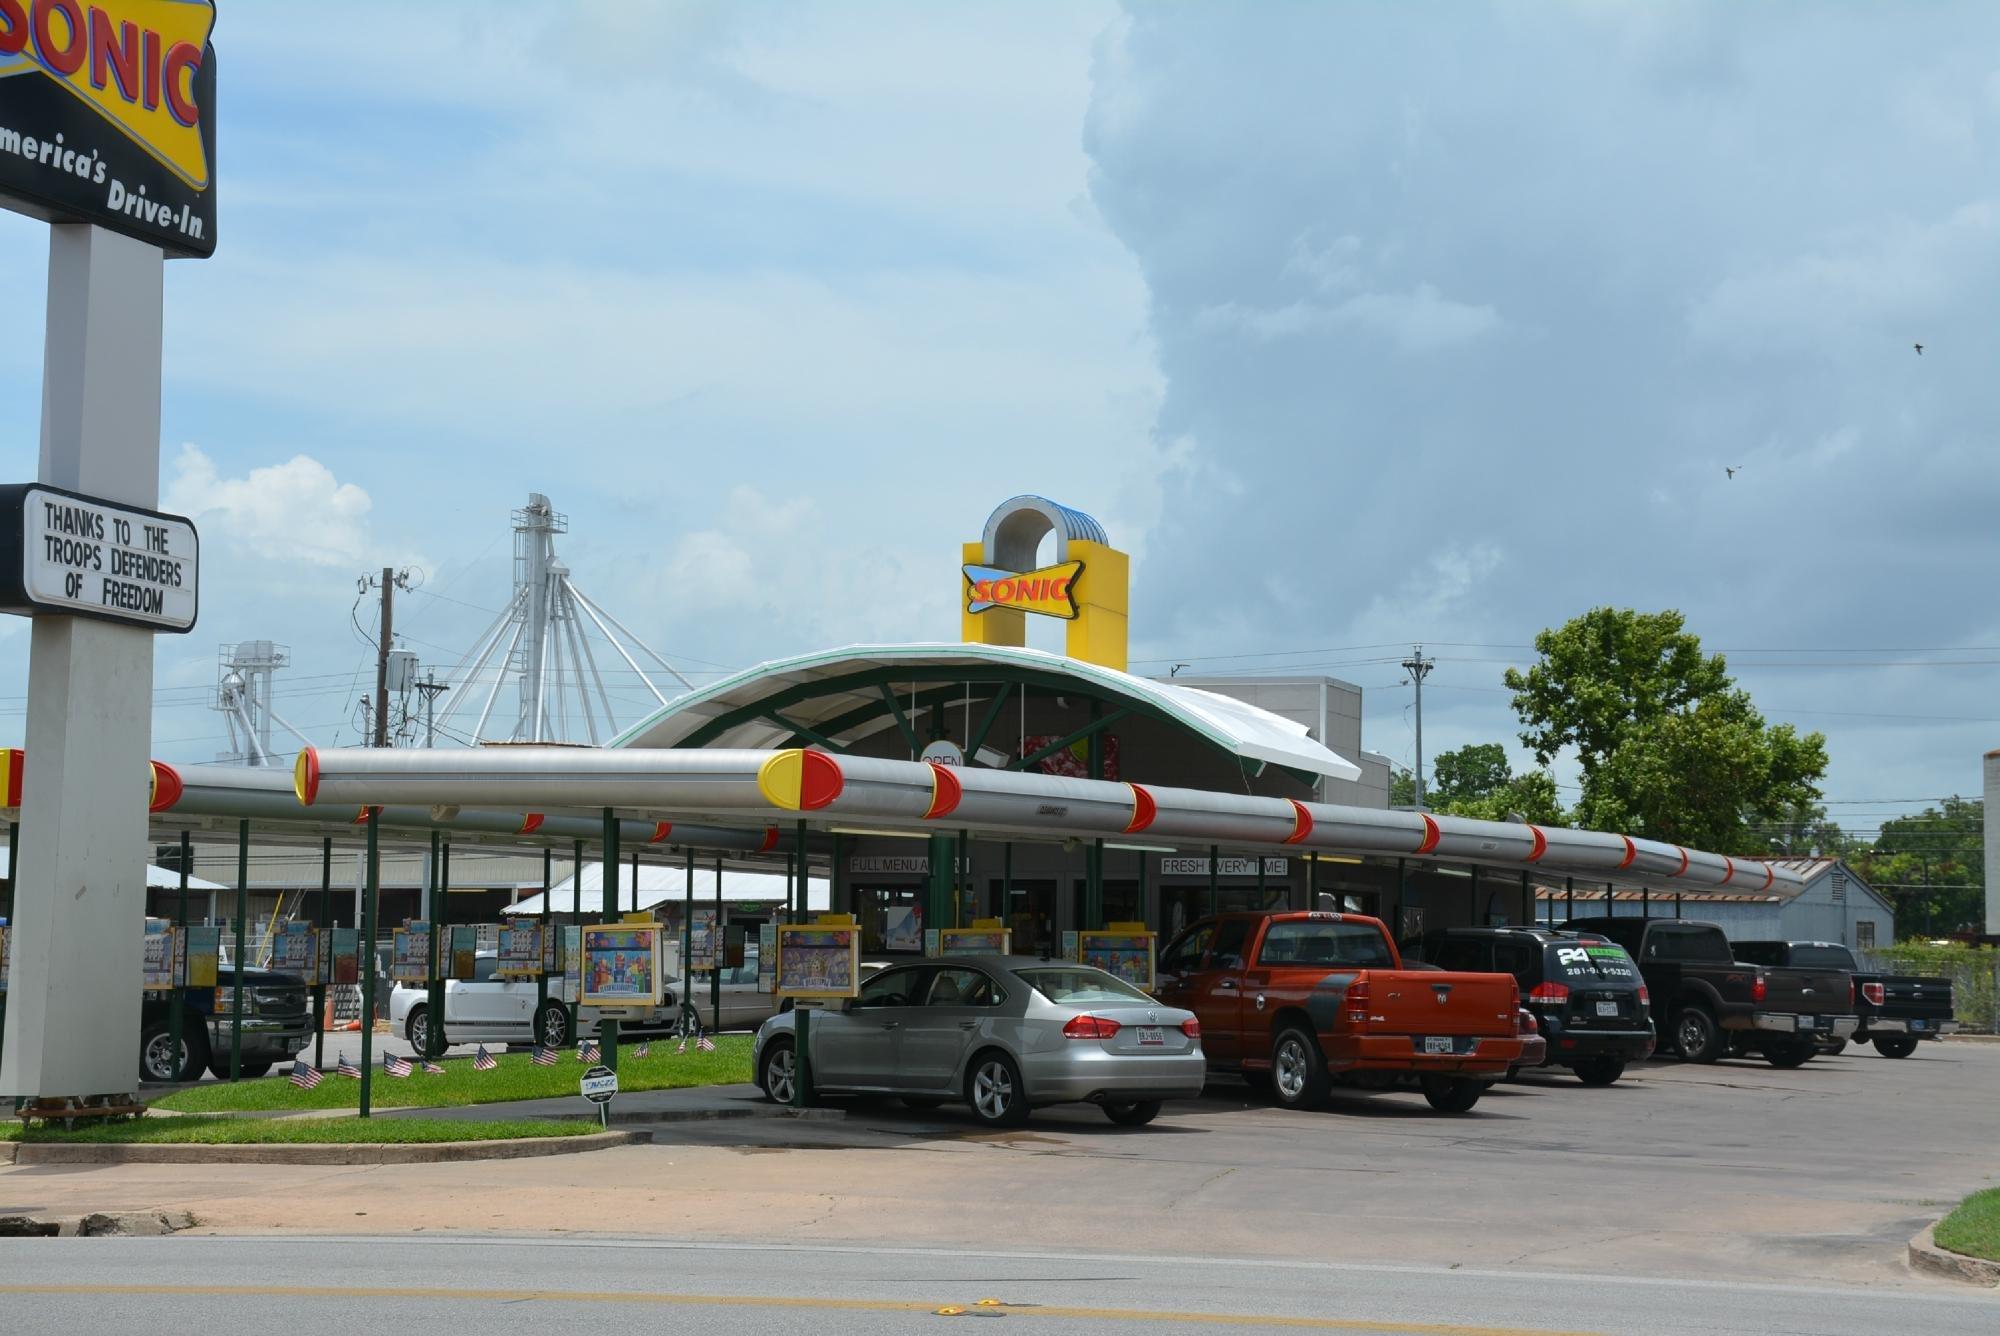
(107, 116)
(1050, 591)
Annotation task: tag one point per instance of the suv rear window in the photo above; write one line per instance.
(1583, 962)
(1316, 942)
(1822, 958)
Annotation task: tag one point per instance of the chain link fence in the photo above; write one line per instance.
(1974, 973)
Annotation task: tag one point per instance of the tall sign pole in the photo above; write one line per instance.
(117, 155)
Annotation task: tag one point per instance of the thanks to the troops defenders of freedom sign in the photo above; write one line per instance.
(107, 116)
(64, 553)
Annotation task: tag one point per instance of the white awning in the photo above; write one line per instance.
(666, 884)
(1250, 733)
(157, 878)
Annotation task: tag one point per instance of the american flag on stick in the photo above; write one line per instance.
(588, 1051)
(396, 1066)
(482, 1061)
(681, 1047)
(431, 1068)
(543, 1057)
(304, 1077)
(644, 1050)
(346, 1068)
(704, 1043)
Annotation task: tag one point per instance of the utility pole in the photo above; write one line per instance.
(388, 582)
(430, 686)
(1418, 667)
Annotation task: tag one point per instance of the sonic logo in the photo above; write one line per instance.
(1050, 591)
(137, 63)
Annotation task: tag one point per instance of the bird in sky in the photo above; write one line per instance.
(1732, 472)
(1919, 347)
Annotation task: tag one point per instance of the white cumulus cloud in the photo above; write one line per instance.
(294, 511)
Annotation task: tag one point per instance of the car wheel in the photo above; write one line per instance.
(1298, 1070)
(156, 1052)
(1599, 1071)
(1452, 1094)
(1697, 1038)
(1895, 1045)
(921, 1103)
(1788, 1054)
(417, 1029)
(994, 1090)
(552, 1026)
(1133, 1115)
(778, 1071)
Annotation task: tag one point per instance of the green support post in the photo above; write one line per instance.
(1527, 899)
(937, 885)
(368, 908)
(1152, 920)
(687, 929)
(802, 1059)
(542, 975)
(607, 891)
(324, 950)
(1007, 885)
(434, 983)
(242, 965)
(1214, 885)
(961, 882)
(1261, 901)
(836, 880)
(178, 1015)
(575, 921)
(805, 880)
(635, 881)
(1312, 882)
(716, 938)
(1569, 900)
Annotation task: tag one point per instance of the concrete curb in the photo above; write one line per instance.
(1926, 1256)
(1970, 1038)
(436, 1152)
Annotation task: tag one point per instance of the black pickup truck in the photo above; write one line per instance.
(277, 1023)
(1897, 1010)
(1706, 1003)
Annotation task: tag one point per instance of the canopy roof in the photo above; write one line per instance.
(667, 884)
(838, 697)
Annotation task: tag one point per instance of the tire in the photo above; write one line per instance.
(921, 1103)
(994, 1089)
(417, 1029)
(1133, 1115)
(552, 1026)
(1298, 1070)
(777, 1070)
(1785, 1054)
(1600, 1071)
(156, 1056)
(1697, 1038)
(1452, 1094)
(1895, 1045)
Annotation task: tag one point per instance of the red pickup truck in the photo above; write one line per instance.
(1300, 1000)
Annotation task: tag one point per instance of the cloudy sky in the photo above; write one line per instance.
(1357, 324)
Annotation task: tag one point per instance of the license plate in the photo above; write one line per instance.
(1917, 1025)
(1152, 1036)
(1437, 1043)
(1607, 1008)
(1805, 1022)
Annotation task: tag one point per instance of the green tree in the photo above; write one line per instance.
(1477, 781)
(1669, 747)
(1931, 867)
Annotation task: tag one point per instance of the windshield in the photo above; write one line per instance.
(1316, 942)
(1591, 963)
(1079, 985)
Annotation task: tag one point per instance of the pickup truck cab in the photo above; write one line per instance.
(1304, 999)
(1715, 1004)
(1589, 1003)
(1896, 1010)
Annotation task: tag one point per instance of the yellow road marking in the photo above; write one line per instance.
(776, 1301)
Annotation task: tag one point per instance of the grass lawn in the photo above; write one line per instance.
(299, 1131)
(1974, 1228)
(515, 1078)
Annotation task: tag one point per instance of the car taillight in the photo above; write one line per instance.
(1553, 994)
(1357, 1002)
(1850, 991)
(1525, 1022)
(1191, 1028)
(1090, 1027)
(1874, 992)
(1645, 998)
(1758, 988)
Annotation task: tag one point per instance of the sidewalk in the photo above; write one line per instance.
(684, 1105)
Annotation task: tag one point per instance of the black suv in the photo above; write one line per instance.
(1582, 988)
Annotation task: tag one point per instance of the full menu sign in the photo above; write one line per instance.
(107, 116)
(65, 553)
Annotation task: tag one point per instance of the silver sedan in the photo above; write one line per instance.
(1003, 1034)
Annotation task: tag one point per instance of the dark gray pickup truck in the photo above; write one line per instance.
(1897, 1010)
(277, 1023)
(1707, 1004)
